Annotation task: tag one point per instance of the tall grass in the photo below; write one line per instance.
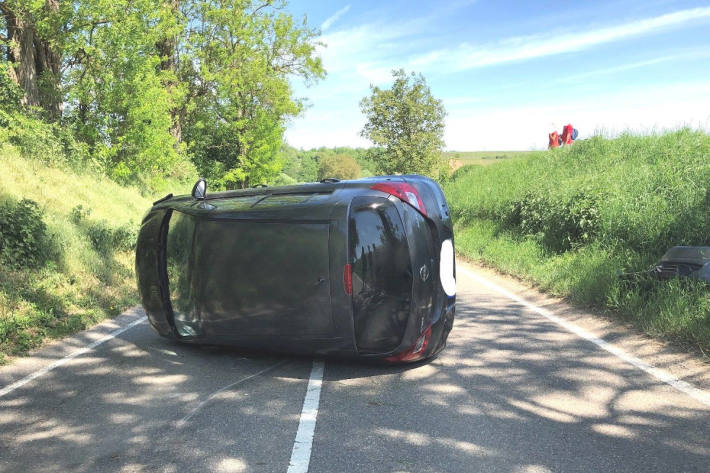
(572, 219)
(80, 270)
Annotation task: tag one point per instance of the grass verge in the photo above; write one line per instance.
(66, 248)
(571, 220)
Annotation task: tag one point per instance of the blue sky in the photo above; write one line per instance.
(509, 72)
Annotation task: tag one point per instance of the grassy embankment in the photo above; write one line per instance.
(570, 220)
(67, 262)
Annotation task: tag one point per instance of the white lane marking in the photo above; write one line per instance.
(181, 422)
(301, 453)
(682, 386)
(30, 377)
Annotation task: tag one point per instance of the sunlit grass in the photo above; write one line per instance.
(84, 283)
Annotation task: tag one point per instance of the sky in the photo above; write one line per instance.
(509, 72)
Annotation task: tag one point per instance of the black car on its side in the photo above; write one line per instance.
(359, 268)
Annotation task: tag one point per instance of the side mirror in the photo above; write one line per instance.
(200, 189)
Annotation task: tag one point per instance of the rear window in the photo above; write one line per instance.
(382, 274)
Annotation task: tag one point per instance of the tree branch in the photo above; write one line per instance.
(256, 10)
(92, 24)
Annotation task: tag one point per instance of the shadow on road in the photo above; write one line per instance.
(512, 392)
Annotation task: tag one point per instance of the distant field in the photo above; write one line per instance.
(487, 155)
(481, 158)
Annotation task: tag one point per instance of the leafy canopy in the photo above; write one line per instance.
(407, 123)
(162, 88)
(243, 54)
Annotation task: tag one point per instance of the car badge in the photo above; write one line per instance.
(424, 273)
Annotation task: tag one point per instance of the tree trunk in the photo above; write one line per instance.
(48, 61)
(167, 49)
(35, 63)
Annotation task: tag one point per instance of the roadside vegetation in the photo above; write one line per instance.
(105, 105)
(572, 220)
(66, 250)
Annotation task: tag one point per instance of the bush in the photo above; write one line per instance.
(50, 143)
(24, 240)
(562, 225)
(10, 92)
(339, 166)
(102, 236)
(106, 239)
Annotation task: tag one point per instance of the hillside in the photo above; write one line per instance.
(571, 220)
(67, 262)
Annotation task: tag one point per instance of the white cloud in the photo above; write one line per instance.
(334, 17)
(522, 48)
(636, 65)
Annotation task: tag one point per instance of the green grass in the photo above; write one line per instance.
(571, 220)
(91, 225)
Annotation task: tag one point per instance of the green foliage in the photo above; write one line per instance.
(562, 224)
(154, 90)
(573, 219)
(240, 96)
(120, 105)
(50, 143)
(105, 238)
(24, 240)
(74, 264)
(339, 166)
(10, 92)
(407, 122)
(283, 179)
(305, 165)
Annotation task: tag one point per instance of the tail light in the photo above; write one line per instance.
(416, 351)
(404, 192)
(348, 279)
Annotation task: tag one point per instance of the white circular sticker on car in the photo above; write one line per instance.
(446, 268)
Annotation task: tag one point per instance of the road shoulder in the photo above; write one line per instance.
(54, 351)
(683, 364)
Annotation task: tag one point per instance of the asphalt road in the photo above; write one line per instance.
(514, 391)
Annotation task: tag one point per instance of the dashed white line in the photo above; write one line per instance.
(30, 377)
(682, 386)
(301, 453)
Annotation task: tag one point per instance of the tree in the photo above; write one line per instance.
(339, 166)
(242, 55)
(118, 99)
(31, 33)
(407, 123)
(150, 85)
